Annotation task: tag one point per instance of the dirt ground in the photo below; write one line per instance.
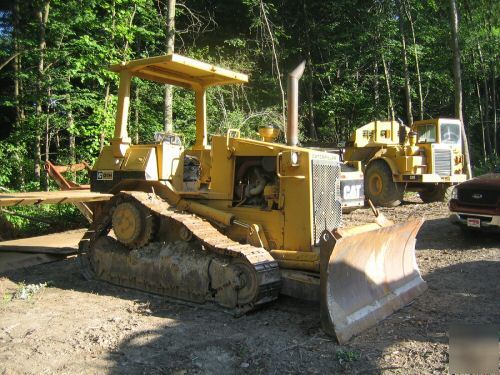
(76, 326)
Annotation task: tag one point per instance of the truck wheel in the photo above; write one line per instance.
(379, 186)
(440, 193)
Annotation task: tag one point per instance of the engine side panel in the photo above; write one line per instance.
(254, 178)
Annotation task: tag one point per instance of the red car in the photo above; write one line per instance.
(475, 204)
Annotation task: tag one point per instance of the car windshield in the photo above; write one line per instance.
(426, 133)
(450, 134)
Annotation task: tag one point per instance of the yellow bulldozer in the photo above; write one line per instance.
(426, 158)
(238, 221)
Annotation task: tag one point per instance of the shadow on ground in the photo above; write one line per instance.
(441, 234)
(285, 337)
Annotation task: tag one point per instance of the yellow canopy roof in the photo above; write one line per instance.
(180, 71)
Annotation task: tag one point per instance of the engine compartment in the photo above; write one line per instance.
(256, 183)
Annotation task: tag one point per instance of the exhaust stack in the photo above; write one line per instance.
(292, 131)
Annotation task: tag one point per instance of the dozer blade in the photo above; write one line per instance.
(366, 275)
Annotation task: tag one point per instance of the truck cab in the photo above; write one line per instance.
(440, 141)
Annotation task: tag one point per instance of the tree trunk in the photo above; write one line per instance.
(310, 98)
(409, 114)
(310, 84)
(494, 101)
(481, 118)
(486, 145)
(43, 16)
(57, 141)
(168, 105)
(486, 91)
(484, 117)
(390, 106)
(417, 64)
(130, 25)
(71, 131)
(102, 136)
(492, 42)
(457, 75)
(17, 91)
(263, 13)
(45, 177)
(72, 146)
(376, 93)
(17, 66)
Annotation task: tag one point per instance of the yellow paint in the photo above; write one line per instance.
(201, 120)
(286, 219)
(269, 134)
(126, 222)
(170, 166)
(380, 140)
(121, 141)
(180, 71)
(135, 158)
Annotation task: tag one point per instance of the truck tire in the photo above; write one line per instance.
(380, 187)
(439, 193)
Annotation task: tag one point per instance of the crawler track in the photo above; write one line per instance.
(234, 275)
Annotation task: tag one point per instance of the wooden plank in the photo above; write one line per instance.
(12, 260)
(31, 251)
(57, 243)
(51, 197)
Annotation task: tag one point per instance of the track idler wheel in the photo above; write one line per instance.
(233, 282)
(248, 285)
(133, 225)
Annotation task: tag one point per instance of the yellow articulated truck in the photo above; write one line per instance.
(237, 221)
(426, 158)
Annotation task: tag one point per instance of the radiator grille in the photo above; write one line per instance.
(442, 162)
(327, 208)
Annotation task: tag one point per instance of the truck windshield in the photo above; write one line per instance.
(426, 133)
(450, 134)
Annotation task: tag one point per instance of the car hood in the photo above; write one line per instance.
(490, 181)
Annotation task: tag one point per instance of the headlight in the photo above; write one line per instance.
(294, 158)
(454, 193)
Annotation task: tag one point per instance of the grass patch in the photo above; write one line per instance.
(347, 356)
(26, 291)
(6, 298)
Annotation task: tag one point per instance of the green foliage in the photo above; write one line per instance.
(344, 86)
(27, 291)
(345, 356)
(487, 167)
(39, 220)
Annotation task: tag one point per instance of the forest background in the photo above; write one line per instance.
(366, 60)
